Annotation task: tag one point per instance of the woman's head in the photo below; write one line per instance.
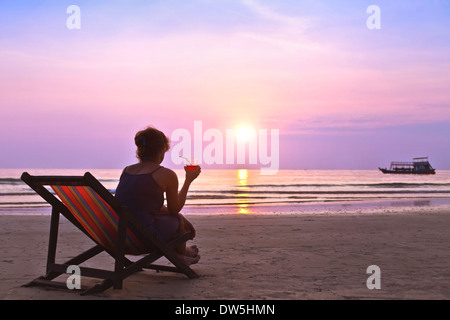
(151, 145)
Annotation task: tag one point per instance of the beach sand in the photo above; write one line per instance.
(294, 256)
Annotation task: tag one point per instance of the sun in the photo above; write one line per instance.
(245, 133)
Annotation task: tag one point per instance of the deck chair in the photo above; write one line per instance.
(88, 205)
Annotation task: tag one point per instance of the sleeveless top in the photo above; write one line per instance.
(143, 197)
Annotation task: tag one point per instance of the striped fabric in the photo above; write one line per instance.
(97, 217)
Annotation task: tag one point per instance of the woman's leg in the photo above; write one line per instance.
(170, 226)
(182, 249)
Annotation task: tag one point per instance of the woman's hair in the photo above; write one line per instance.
(150, 143)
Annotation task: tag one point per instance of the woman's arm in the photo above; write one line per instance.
(182, 195)
(175, 199)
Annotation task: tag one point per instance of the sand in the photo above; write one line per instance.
(290, 257)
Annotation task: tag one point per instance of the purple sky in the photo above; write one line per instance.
(341, 95)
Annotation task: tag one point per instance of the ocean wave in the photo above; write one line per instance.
(15, 181)
(223, 188)
(11, 181)
(223, 193)
(9, 194)
(18, 181)
(28, 203)
(336, 185)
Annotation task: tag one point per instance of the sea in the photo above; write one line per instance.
(245, 191)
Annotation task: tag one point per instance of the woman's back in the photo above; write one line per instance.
(141, 194)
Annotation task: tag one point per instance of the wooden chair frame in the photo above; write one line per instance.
(123, 267)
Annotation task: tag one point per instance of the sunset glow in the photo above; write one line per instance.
(245, 133)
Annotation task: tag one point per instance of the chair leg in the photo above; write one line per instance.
(52, 274)
(118, 284)
(181, 265)
(53, 237)
(176, 260)
(98, 288)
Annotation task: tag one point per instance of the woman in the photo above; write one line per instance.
(142, 187)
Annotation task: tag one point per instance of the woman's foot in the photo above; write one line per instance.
(192, 251)
(189, 260)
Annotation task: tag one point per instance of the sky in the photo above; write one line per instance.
(341, 95)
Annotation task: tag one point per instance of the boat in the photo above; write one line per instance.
(417, 166)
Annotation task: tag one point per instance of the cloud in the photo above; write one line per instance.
(267, 13)
(278, 29)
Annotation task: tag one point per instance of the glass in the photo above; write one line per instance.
(191, 164)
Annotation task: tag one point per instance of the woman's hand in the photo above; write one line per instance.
(192, 175)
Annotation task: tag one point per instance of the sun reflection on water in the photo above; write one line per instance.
(243, 177)
(243, 209)
(241, 197)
